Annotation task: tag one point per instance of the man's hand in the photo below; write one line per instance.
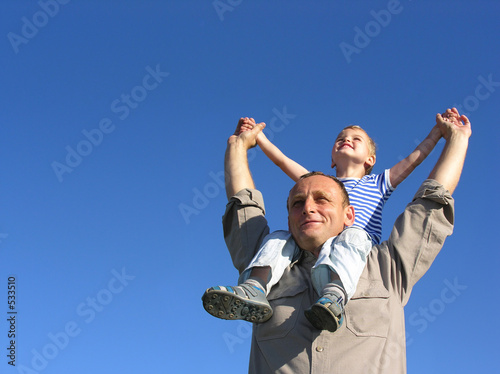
(452, 123)
(456, 129)
(244, 124)
(236, 168)
(246, 132)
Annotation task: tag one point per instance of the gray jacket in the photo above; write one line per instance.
(372, 338)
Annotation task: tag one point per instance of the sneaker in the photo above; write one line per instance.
(327, 313)
(241, 302)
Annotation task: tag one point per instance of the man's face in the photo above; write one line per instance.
(316, 212)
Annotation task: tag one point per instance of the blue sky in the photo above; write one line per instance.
(115, 116)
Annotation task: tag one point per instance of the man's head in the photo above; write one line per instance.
(318, 208)
(354, 143)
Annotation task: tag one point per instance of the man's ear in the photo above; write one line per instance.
(349, 215)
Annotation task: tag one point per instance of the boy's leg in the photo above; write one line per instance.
(328, 311)
(248, 300)
(276, 253)
(336, 275)
(259, 277)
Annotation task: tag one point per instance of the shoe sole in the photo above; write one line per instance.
(322, 318)
(229, 306)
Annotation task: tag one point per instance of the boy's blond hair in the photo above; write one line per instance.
(372, 147)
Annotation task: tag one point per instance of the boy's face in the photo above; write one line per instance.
(353, 145)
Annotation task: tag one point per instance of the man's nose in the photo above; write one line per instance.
(309, 206)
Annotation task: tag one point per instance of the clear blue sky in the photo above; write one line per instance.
(114, 120)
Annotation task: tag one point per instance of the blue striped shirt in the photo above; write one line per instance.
(368, 196)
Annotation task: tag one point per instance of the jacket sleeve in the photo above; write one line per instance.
(245, 226)
(419, 234)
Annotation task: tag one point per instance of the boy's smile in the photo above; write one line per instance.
(352, 139)
(352, 149)
(346, 145)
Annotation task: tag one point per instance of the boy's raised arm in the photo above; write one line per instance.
(403, 168)
(290, 167)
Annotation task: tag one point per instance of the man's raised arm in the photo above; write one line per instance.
(237, 171)
(456, 130)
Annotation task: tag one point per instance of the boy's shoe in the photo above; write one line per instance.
(241, 302)
(327, 313)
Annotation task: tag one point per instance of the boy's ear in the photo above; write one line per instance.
(370, 161)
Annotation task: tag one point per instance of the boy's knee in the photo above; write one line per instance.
(354, 235)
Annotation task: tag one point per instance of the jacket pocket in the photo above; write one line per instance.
(286, 308)
(367, 313)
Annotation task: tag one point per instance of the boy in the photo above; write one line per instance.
(341, 259)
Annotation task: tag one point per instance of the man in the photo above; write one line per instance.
(372, 339)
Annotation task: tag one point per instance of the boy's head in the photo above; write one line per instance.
(359, 145)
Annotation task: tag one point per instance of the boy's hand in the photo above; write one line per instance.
(244, 124)
(248, 124)
(451, 122)
(246, 132)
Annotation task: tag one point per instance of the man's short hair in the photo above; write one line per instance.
(343, 191)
